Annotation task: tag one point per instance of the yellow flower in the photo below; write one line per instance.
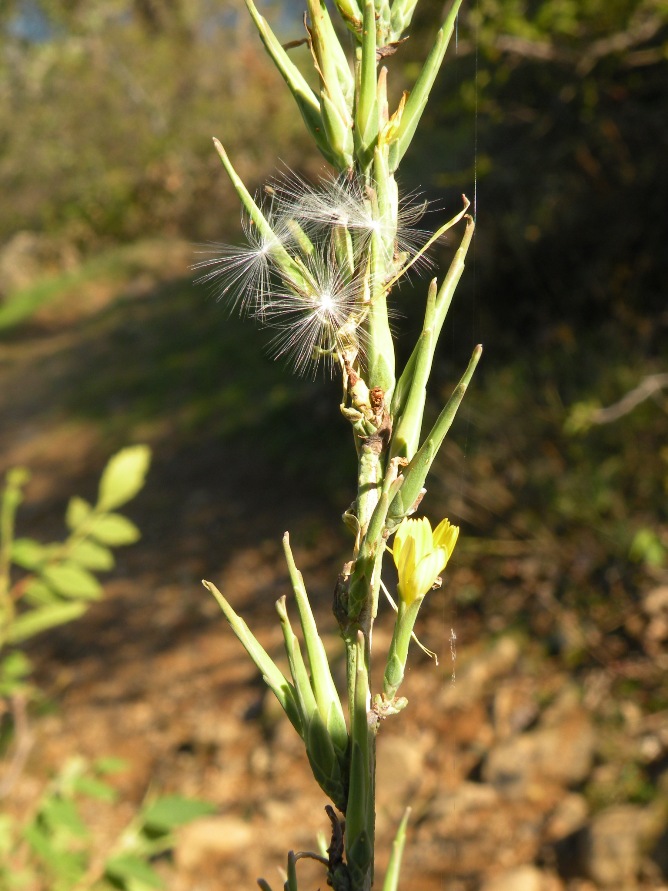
(421, 555)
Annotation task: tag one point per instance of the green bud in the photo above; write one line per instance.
(339, 132)
(400, 19)
(366, 111)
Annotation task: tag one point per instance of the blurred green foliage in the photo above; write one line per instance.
(106, 125)
(559, 111)
(54, 848)
(41, 587)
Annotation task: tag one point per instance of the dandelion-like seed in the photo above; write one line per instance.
(323, 324)
(305, 268)
(346, 201)
(242, 274)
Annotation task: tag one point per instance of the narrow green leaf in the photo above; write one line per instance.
(27, 553)
(78, 511)
(72, 581)
(38, 620)
(304, 96)
(420, 93)
(175, 810)
(123, 476)
(92, 555)
(333, 59)
(288, 265)
(391, 882)
(416, 472)
(300, 677)
(408, 420)
(114, 530)
(272, 675)
(405, 383)
(126, 867)
(326, 694)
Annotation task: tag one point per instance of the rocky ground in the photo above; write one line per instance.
(523, 773)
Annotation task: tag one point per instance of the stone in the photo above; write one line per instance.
(399, 772)
(568, 817)
(523, 878)
(528, 763)
(611, 846)
(212, 839)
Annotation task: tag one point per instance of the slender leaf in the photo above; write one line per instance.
(38, 620)
(420, 93)
(304, 96)
(272, 675)
(174, 810)
(416, 472)
(391, 882)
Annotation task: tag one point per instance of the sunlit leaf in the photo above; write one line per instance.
(72, 580)
(110, 765)
(38, 593)
(95, 788)
(123, 476)
(92, 555)
(38, 620)
(27, 552)
(62, 814)
(128, 866)
(114, 530)
(78, 511)
(174, 810)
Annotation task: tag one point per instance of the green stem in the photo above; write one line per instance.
(360, 813)
(11, 498)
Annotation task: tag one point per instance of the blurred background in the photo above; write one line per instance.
(535, 754)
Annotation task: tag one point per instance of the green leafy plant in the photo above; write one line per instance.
(54, 848)
(43, 586)
(321, 269)
(58, 580)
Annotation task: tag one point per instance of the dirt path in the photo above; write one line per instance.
(241, 453)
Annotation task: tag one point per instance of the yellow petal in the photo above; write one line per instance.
(428, 570)
(406, 564)
(400, 537)
(445, 536)
(424, 543)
